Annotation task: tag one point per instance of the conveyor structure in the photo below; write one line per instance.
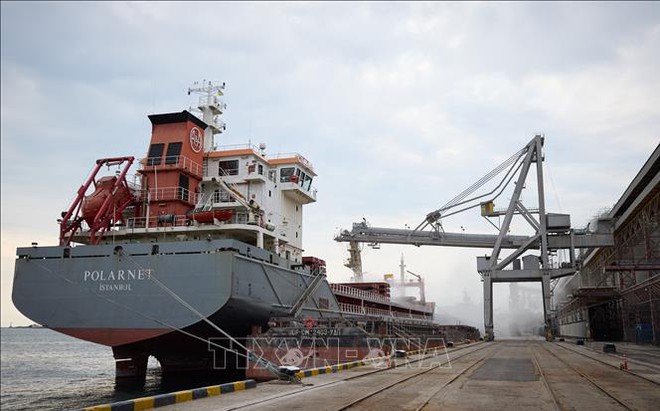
(550, 232)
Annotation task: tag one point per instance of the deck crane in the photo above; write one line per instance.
(551, 232)
(417, 284)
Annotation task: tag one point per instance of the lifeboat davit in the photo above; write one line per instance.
(208, 216)
(93, 202)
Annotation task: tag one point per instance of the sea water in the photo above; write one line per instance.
(43, 369)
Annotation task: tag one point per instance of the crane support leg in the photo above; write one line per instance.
(488, 308)
(547, 314)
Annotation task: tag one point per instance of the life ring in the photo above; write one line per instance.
(310, 323)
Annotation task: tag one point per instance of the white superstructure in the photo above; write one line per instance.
(263, 191)
(236, 192)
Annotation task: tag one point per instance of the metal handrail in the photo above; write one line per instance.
(213, 101)
(376, 312)
(369, 295)
(297, 156)
(141, 222)
(168, 193)
(356, 292)
(238, 146)
(168, 162)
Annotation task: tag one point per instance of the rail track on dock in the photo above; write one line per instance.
(428, 398)
(430, 370)
(464, 351)
(546, 383)
(611, 365)
(604, 387)
(509, 374)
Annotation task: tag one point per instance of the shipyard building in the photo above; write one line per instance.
(615, 295)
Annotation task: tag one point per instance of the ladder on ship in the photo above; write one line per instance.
(205, 203)
(311, 289)
(402, 333)
(207, 200)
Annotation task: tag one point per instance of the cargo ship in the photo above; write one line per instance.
(199, 256)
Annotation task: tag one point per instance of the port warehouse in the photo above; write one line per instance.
(615, 295)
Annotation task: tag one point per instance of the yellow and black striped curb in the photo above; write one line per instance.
(334, 368)
(345, 366)
(156, 401)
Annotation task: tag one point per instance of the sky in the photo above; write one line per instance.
(399, 106)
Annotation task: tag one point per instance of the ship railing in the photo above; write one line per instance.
(129, 223)
(172, 162)
(356, 292)
(134, 182)
(298, 157)
(370, 311)
(238, 147)
(398, 314)
(218, 124)
(212, 101)
(222, 172)
(350, 308)
(178, 220)
(349, 291)
(377, 312)
(167, 220)
(168, 193)
(409, 315)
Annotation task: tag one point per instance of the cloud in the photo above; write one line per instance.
(399, 106)
(604, 98)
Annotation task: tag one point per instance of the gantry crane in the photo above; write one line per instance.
(551, 232)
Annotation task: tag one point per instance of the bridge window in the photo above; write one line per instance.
(173, 153)
(229, 167)
(155, 155)
(307, 184)
(286, 174)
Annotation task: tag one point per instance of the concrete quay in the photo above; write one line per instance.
(508, 374)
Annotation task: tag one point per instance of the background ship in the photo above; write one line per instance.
(200, 250)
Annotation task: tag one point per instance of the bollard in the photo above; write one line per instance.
(625, 362)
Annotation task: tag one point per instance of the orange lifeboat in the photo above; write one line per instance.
(93, 202)
(208, 216)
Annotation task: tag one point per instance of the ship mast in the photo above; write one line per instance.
(211, 107)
